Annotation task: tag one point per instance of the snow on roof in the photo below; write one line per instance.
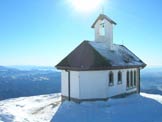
(119, 55)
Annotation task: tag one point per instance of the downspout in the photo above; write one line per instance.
(68, 85)
(139, 81)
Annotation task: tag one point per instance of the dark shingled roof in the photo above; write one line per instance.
(101, 17)
(96, 56)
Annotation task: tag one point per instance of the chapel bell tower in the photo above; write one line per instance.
(103, 27)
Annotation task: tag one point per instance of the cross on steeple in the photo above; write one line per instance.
(102, 10)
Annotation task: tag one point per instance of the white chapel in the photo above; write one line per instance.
(100, 69)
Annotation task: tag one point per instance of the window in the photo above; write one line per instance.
(111, 79)
(127, 79)
(119, 77)
(135, 78)
(102, 28)
(131, 83)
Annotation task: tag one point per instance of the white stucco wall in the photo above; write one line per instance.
(109, 33)
(108, 30)
(120, 88)
(116, 88)
(74, 84)
(93, 84)
(64, 83)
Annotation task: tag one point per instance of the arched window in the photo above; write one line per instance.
(119, 77)
(127, 79)
(135, 78)
(111, 79)
(131, 83)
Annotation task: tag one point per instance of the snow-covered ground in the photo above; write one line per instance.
(29, 109)
(134, 108)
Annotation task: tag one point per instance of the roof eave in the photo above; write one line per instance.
(99, 68)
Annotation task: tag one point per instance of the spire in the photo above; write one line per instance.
(102, 10)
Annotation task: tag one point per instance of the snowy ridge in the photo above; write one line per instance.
(29, 109)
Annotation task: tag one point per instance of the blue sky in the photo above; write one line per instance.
(42, 32)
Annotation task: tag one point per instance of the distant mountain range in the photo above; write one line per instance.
(17, 81)
(151, 80)
(30, 67)
(2, 68)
